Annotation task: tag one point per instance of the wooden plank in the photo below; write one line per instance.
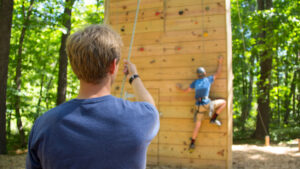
(152, 149)
(180, 99)
(182, 112)
(187, 125)
(190, 35)
(169, 86)
(191, 162)
(173, 3)
(129, 16)
(195, 10)
(217, 33)
(201, 152)
(195, 23)
(178, 73)
(179, 60)
(152, 160)
(183, 138)
(141, 27)
(179, 48)
(129, 5)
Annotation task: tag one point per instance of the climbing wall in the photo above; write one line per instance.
(173, 38)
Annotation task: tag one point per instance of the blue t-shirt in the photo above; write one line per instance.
(202, 88)
(97, 133)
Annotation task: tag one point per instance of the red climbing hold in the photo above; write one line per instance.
(178, 48)
(157, 13)
(141, 49)
(196, 22)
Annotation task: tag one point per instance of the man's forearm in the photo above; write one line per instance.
(141, 92)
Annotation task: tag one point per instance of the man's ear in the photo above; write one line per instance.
(113, 66)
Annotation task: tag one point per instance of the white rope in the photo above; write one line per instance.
(131, 43)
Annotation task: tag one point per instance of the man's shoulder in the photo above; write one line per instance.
(53, 114)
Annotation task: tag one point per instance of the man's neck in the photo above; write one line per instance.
(89, 90)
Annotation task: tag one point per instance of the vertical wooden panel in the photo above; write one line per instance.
(173, 38)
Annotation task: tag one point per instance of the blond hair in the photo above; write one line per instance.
(92, 50)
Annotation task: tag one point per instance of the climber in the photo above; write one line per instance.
(203, 103)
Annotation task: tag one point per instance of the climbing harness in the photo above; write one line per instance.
(131, 43)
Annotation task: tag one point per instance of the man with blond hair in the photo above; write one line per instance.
(96, 130)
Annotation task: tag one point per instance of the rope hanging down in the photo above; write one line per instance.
(131, 43)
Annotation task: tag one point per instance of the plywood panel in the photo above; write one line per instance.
(183, 138)
(187, 125)
(195, 10)
(202, 152)
(172, 12)
(192, 162)
(121, 6)
(152, 160)
(174, 3)
(195, 22)
(180, 60)
(180, 99)
(190, 35)
(141, 27)
(197, 47)
(173, 38)
(169, 86)
(152, 149)
(129, 15)
(176, 111)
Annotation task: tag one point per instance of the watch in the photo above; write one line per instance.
(133, 77)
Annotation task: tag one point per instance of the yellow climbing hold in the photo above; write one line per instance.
(205, 34)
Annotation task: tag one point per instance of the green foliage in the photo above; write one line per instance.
(40, 58)
(281, 24)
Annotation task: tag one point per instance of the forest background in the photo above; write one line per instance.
(35, 75)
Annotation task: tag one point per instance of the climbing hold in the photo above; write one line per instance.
(157, 13)
(122, 29)
(180, 12)
(196, 22)
(207, 8)
(178, 48)
(124, 7)
(193, 59)
(205, 34)
(152, 61)
(117, 87)
(141, 49)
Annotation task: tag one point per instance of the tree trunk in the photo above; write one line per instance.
(6, 12)
(247, 105)
(264, 83)
(38, 110)
(19, 73)
(288, 97)
(63, 58)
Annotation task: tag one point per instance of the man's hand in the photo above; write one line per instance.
(129, 68)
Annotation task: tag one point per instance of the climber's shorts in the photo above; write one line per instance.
(200, 110)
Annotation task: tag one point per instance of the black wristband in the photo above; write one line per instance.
(133, 77)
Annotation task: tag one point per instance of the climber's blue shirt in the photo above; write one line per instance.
(202, 88)
(98, 133)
